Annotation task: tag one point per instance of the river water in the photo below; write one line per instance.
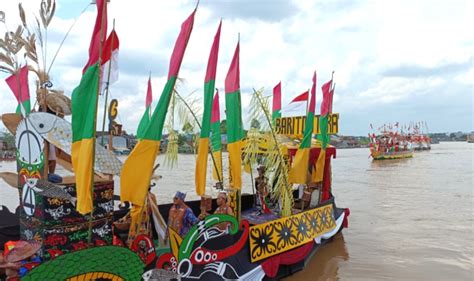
(411, 219)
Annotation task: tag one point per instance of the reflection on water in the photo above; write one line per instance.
(331, 256)
(411, 219)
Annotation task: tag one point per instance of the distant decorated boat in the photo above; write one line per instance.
(420, 142)
(390, 145)
(66, 228)
(470, 138)
(419, 137)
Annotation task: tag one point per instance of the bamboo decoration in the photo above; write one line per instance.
(274, 159)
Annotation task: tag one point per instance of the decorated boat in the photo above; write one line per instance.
(470, 138)
(66, 227)
(421, 142)
(418, 135)
(390, 144)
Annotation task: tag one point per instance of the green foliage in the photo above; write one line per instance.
(185, 109)
(251, 147)
(8, 138)
(188, 128)
(224, 127)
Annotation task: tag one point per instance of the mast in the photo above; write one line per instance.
(94, 132)
(107, 91)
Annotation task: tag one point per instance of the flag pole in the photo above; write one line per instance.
(332, 80)
(94, 133)
(307, 102)
(149, 112)
(107, 88)
(215, 163)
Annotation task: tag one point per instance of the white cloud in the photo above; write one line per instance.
(361, 41)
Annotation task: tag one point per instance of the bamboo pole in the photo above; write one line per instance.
(253, 185)
(107, 93)
(89, 235)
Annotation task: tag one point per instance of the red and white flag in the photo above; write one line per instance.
(18, 83)
(110, 60)
(297, 106)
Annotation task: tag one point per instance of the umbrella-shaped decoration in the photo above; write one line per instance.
(22, 250)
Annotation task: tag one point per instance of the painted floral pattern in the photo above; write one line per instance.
(274, 237)
(285, 234)
(263, 240)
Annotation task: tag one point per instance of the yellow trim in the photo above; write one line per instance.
(273, 230)
(95, 275)
(391, 155)
(293, 127)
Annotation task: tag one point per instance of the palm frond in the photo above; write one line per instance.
(274, 158)
(171, 157)
(251, 149)
(257, 110)
(187, 110)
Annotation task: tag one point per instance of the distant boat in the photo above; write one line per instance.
(6, 156)
(390, 145)
(470, 138)
(420, 142)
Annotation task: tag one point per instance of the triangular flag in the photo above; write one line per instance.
(110, 61)
(18, 83)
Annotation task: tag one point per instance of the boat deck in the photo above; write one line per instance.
(254, 216)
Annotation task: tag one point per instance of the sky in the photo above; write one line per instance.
(394, 61)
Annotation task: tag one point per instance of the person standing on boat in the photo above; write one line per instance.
(261, 183)
(181, 218)
(223, 208)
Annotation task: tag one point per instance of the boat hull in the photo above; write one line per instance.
(391, 155)
(239, 265)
